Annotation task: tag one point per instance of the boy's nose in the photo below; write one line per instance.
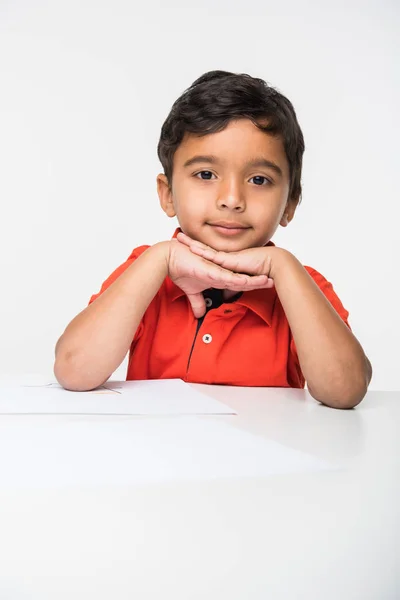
(231, 198)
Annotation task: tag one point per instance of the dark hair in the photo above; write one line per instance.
(216, 98)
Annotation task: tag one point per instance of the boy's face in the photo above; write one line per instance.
(219, 197)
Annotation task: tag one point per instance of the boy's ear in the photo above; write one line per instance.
(288, 214)
(165, 195)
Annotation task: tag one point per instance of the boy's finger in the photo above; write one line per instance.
(219, 274)
(223, 278)
(205, 252)
(193, 244)
(198, 304)
(228, 260)
(257, 279)
(268, 284)
(183, 238)
(232, 261)
(249, 282)
(254, 283)
(188, 241)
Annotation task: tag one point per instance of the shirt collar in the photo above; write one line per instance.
(261, 302)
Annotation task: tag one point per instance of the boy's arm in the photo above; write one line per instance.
(331, 358)
(96, 341)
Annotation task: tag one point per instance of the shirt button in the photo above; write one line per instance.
(207, 338)
(208, 302)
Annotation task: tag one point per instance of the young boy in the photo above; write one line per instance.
(220, 303)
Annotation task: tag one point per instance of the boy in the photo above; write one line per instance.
(220, 303)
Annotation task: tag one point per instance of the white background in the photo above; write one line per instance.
(84, 90)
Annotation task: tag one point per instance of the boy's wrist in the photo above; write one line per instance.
(281, 260)
(162, 250)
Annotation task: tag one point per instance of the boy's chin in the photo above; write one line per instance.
(228, 245)
(224, 243)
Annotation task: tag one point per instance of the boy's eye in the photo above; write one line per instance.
(202, 173)
(258, 178)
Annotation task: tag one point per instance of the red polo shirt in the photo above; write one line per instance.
(247, 342)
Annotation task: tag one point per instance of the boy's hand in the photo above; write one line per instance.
(194, 274)
(253, 261)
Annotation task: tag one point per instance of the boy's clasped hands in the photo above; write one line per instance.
(195, 267)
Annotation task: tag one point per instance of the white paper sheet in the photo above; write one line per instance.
(155, 397)
(51, 453)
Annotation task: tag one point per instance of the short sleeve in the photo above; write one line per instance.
(115, 274)
(327, 289)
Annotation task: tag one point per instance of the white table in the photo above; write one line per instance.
(329, 535)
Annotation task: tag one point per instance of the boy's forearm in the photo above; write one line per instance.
(96, 341)
(332, 360)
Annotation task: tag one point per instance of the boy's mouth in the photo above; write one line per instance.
(228, 227)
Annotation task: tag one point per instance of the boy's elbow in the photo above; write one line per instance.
(73, 379)
(342, 400)
(344, 393)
